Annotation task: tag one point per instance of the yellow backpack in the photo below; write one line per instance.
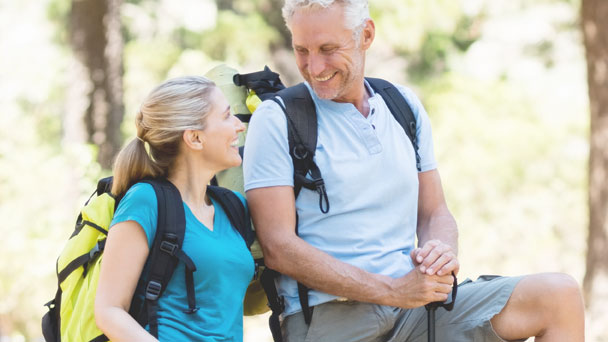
(71, 312)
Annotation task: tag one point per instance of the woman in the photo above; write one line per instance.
(190, 135)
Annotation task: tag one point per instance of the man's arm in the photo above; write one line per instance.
(437, 230)
(273, 213)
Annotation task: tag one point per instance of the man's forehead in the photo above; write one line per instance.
(323, 38)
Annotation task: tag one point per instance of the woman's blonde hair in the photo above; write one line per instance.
(171, 108)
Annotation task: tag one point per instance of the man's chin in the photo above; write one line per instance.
(325, 94)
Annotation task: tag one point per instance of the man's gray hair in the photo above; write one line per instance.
(356, 12)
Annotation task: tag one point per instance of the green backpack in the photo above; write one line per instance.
(71, 312)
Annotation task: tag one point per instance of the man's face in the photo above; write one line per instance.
(328, 57)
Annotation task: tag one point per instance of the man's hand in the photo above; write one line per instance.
(416, 289)
(435, 257)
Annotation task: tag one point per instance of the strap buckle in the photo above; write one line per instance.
(96, 249)
(153, 290)
(323, 199)
(190, 311)
(168, 247)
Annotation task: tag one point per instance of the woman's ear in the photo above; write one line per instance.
(193, 139)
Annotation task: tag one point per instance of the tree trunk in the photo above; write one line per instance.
(95, 36)
(595, 32)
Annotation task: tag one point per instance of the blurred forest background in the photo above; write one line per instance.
(504, 82)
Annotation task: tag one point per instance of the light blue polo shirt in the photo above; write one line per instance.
(369, 168)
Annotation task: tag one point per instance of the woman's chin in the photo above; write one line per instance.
(235, 162)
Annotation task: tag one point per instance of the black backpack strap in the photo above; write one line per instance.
(302, 133)
(165, 253)
(213, 181)
(400, 109)
(301, 116)
(276, 303)
(303, 297)
(235, 210)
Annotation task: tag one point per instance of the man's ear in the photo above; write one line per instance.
(367, 34)
(193, 139)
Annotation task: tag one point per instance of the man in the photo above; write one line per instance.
(368, 281)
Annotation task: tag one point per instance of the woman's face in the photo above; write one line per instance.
(221, 134)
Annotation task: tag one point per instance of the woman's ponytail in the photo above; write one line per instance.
(131, 165)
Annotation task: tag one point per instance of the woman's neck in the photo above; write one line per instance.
(191, 179)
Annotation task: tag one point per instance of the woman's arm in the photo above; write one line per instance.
(123, 261)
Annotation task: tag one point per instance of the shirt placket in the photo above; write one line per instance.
(366, 129)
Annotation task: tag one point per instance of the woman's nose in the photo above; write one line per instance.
(240, 126)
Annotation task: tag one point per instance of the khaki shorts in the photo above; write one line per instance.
(476, 303)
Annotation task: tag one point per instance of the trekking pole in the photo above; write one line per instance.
(430, 315)
(432, 307)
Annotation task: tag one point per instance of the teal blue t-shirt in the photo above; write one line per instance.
(224, 268)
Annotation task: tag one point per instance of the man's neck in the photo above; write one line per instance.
(362, 101)
(359, 98)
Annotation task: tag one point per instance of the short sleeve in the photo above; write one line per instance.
(140, 205)
(266, 157)
(423, 130)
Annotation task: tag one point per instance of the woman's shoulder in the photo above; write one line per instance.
(140, 189)
(139, 204)
(140, 195)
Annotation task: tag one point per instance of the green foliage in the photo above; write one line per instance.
(427, 34)
(431, 57)
(239, 39)
(404, 24)
(58, 13)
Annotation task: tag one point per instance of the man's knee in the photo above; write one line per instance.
(567, 296)
(538, 302)
(560, 289)
(554, 299)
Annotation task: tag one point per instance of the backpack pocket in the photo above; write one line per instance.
(49, 323)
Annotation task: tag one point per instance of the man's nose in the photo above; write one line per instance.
(316, 65)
